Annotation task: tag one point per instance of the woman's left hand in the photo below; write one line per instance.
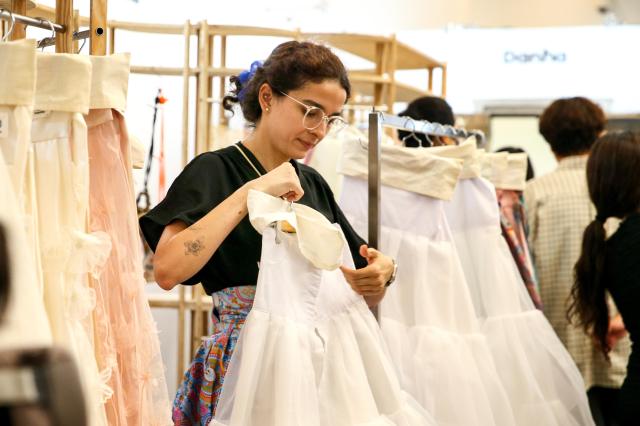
(370, 280)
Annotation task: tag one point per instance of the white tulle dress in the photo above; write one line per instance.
(310, 352)
(427, 316)
(542, 381)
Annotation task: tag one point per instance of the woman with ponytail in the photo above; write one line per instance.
(613, 265)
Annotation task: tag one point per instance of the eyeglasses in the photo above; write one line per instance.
(314, 117)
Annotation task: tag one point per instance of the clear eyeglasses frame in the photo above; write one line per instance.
(314, 117)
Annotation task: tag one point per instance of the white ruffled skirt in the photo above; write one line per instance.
(310, 353)
(427, 316)
(543, 383)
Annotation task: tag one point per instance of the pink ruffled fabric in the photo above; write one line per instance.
(127, 345)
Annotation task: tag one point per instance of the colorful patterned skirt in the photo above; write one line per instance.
(198, 394)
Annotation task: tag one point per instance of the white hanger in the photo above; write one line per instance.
(13, 23)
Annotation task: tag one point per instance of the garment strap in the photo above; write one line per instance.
(247, 158)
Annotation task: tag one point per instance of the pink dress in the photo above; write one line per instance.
(127, 344)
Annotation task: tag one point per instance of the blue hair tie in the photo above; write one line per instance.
(247, 75)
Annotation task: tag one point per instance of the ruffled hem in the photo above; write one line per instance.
(445, 370)
(543, 383)
(337, 372)
(410, 414)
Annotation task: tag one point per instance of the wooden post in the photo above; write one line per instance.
(186, 76)
(112, 40)
(186, 73)
(391, 70)
(181, 330)
(223, 79)
(64, 17)
(202, 141)
(444, 81)
(202, 119)
(76, 26)
(209, 105)
(98, 27)
(381, 55)
(19, 30)
(430, 84)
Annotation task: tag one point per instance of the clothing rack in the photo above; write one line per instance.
(377, 120)
(65, 26)
(7, 15)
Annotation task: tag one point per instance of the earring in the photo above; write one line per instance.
(267, 109)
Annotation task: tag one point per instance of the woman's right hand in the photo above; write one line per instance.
(280, 182)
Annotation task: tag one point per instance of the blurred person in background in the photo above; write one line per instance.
(558, 209)
(613, 265)
(432, 109)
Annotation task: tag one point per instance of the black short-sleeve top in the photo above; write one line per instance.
(207, 181)
(622, 279)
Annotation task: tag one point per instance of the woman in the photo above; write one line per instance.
(201, 232)
(613, 265)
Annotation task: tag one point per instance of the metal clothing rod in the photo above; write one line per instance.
(433, 129)
(32, 22)
(51, 41)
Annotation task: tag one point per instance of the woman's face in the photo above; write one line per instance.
(285, 126)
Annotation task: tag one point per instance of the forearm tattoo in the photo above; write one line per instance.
(193, 247)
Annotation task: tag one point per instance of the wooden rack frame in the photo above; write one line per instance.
(388, 55)
(192, 301)
(379, 84)
(67, 22)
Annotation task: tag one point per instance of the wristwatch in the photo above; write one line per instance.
(393, 274)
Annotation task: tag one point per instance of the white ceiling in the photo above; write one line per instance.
(375, 16)
(420, 14)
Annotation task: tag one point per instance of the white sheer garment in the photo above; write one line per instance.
(427, 317)
(17, 94)
(68, 252)
(25, 322)
(542, 381)
(310, 352)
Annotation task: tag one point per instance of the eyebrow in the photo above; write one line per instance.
(311, 102)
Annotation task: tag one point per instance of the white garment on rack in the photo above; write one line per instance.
(25, 323)
(541, 379)
(67, 251)
(310, 352)
(17, 94)
(427, 316)
(505, 170)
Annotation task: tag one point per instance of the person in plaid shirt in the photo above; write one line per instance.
(558, 208)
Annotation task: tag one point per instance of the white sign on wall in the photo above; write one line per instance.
(535, 66)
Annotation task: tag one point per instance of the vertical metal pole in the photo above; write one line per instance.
(375, 142)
